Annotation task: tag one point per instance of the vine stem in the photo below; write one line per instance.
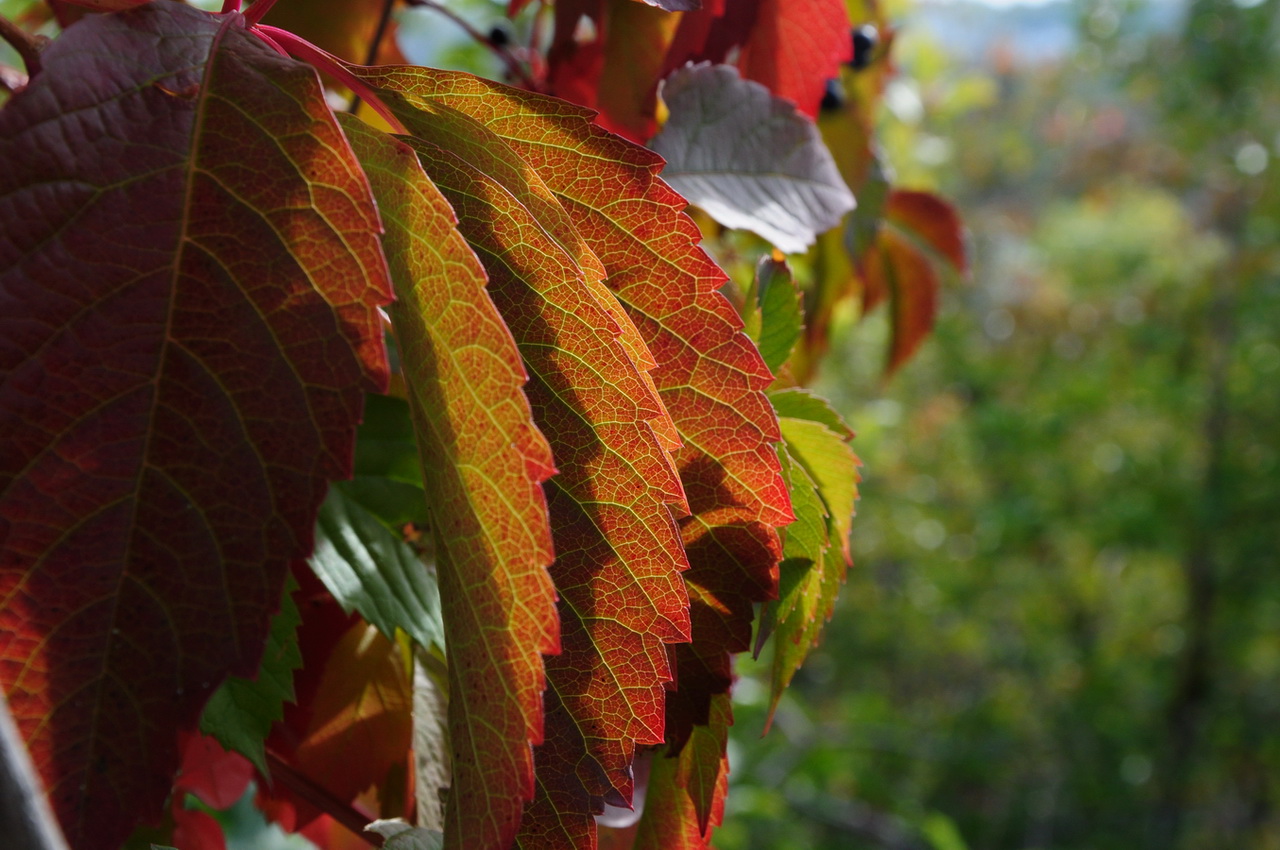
(384, 20)
(517, 70)
(305, 788)
(27, 45)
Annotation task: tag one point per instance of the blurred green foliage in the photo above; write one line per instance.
(1062, 629)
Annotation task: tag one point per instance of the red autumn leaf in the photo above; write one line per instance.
(483, 461)
(618, 71)
(796, 46)
(218, 777)
(180, 373)
(197, 830)
(931, 221)
(611, 503)
(709, 375)
(896, 269)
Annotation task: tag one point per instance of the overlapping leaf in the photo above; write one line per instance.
(708, 374)
(687, 787)
(618, 548)
(822, 472)
(188, 281)
(790, 46)
(483, 461)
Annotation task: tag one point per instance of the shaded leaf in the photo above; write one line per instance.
(387, 473)
(369, 569)
(180, 373)
(401, 836)
(431, 767)
(749, 158)
(240, 713)
(687, 788)
(482, 464)
(363, 705)
(709, 376)
(806, 589)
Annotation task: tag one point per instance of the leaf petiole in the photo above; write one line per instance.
(322, 60)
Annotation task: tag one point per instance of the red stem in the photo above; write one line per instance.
(307, 790)
(302, 49)
(26, 45)
(257, 11)
(229, 6)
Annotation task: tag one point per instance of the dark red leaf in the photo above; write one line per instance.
(189, 279)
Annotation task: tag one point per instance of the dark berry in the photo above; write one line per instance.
(832, 96)
(865, 38)
(499, 35)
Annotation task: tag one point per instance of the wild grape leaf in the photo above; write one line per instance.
(240, 712)
(483, 461)
(369, 569)
(800, 403)
(687, 787)
(749, 158)
(189, 279)
(774, 314)
(708, 374)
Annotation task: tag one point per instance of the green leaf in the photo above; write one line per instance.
(776, 316)
(800, 403)
(802, 584)
(749, 158)
(241, 711)
(367, 567)
(826, 456)
(387, 479)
